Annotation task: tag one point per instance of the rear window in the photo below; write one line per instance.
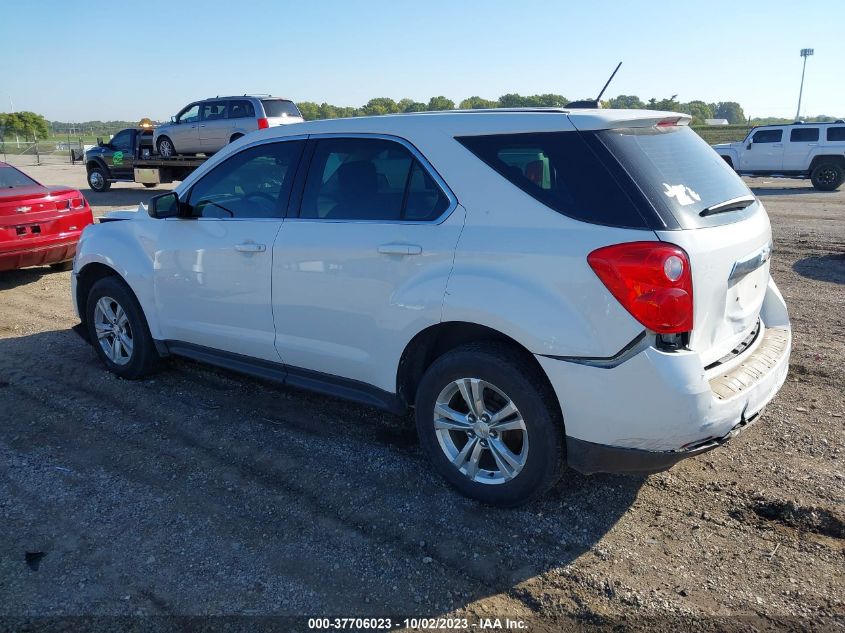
(11, 177)
(678, 172)
(560, 170)
(279, 108)
(804, 135)
(836, 134)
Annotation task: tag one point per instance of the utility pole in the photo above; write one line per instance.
(805, 53)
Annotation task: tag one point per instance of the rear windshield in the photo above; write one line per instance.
(563, 172)
(279, 108)
(678, 172)
(11, 177)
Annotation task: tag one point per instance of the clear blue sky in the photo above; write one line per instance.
(108, 60)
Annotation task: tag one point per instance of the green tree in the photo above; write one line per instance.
(416, 106)
(731, 111)
(512, 100)
(440, 103)
(627, 102)
(380, 105)
(28, 124)
(476, 103)
(327, 111)
(698, 110)
(546, 101)
(309, 109)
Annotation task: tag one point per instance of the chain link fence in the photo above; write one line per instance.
(51, 151)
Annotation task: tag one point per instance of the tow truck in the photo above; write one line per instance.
(129, 157)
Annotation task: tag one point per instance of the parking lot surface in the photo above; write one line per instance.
(200, 491)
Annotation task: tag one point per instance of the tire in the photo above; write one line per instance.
(235, 137)
(136, 354)
(62, 266)
(98, 180)
(536, 454)
(165, 147)
(149, 185)
(827, 176)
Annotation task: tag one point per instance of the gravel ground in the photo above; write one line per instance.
(200, 491)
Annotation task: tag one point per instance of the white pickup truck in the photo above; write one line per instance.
(797, 150)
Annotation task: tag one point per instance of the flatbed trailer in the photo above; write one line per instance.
(129, 157)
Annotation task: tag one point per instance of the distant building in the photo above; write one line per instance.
(716, 122)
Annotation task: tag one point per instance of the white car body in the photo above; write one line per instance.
(344, 301)
(794, 150)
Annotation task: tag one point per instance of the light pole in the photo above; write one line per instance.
(805, 53)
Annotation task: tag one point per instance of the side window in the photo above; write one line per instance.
(241, 110)
(122, 141)
(254, 183)
(836, 134)
(190, 114)
(804, 135)
(213, 111)
(368, 179)
(768, 136)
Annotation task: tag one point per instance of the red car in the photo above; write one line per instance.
(38, 225)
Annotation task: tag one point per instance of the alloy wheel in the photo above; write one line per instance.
(481, 431)
(114, 333)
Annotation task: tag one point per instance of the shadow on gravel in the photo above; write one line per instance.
(822, 267)
(13, 278)
(203, 491)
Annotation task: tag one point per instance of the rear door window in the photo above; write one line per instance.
(241, 110)
(767, 136)
(562, 171)
(275, 108)
(836, 134)
(213, 111)
(369, 179)
(804, 135)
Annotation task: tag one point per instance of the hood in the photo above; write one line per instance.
(139, 214)
(726, 145)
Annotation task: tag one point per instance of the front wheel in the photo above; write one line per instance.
(118, 329)
(827, 176)
(165, 147)
(98, 180)
(490, 424)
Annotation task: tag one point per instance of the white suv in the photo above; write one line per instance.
(543, 287)
(800, 150)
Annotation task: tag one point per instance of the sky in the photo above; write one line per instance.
(107, 60)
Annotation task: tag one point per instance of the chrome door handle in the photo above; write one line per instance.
(250, 247)
(400, 249)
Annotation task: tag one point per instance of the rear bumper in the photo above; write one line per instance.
(40, 255)
(657, 408)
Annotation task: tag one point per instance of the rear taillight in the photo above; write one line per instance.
(263, 124)
(652, 281)
(72, 203)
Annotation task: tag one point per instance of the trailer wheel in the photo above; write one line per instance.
(149, 185)
(165, 147)
(98, 180)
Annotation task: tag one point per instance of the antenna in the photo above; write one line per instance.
(594, 103)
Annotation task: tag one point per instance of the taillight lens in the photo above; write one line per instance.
(263, 124)
(652, 281)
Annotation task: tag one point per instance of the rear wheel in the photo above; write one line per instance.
(118, 329)
(827, 176)
(490, 425)
(235, 137)
(149, 185)
(98, 180)
(165, 147)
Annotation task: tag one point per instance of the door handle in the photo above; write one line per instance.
(777, 145)
(812, 144)
(400, 249)
(250, 247)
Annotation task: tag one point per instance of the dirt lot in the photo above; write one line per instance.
(204, 492)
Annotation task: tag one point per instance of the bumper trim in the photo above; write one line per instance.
(589, 458)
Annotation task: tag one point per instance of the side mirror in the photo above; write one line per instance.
(173, 119)
(749, 145)
(164, 206)
(99, 141)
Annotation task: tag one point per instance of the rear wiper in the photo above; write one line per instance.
(734, 204)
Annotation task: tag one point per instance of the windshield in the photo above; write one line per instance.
(679, 173)
(11, 177)
(279, 108)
